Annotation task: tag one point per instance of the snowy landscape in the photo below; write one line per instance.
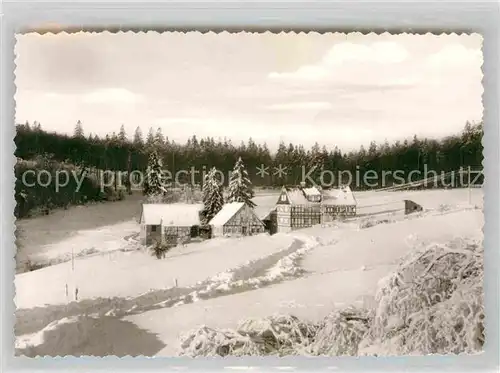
(308, 274)
(250, 252)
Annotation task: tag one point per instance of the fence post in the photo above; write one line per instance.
(468, 184)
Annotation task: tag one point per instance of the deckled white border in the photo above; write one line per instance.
(347, 15)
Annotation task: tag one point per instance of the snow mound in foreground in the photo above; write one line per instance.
(340, 333)
(275, 335)
(432, 304)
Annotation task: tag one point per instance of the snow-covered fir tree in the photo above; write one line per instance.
(78, 130)
(213, 198)
(240, 186)
(122, 135)
(154, 181)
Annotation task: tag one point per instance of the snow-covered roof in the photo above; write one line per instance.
(342, 197)
(265, 214)
(226, 213)
(297, 197)
(312, 191)
(174, 214)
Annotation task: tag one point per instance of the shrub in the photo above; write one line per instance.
(121, 194)
(340, 333)
(160, 250)
(33, 199)
(433, 303)
(275, 335)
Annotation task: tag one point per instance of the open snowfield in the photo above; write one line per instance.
(220, 282)
(50, 234)
(130, 273)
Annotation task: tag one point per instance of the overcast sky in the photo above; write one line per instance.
(335, 89)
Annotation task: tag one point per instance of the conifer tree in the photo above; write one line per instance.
(78, 129)
(122, 135)
(154, 181)
(150, 140)
(213, 198)
(159, 140)
(138, 137)
(240, 186)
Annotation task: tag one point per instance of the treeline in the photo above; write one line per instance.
(120, 153)
(43, 184)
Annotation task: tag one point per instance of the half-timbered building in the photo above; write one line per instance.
(300, 207)
(169, 224)
(238, 219)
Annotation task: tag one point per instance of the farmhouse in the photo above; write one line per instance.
(170, 224)
(300, 207)
(236, 218)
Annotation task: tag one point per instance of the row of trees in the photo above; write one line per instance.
(239, 189)
(118, 152)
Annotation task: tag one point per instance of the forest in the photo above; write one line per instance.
(120, 152)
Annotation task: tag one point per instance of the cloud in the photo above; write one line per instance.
(311, 105)
(342, 54)
(455, 55)
(302, 73)
(378, 52)
(111, 96)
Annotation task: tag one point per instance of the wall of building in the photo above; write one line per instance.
(173, 236)
(244, 222)
(305, 216)
(150, 234)
(289, 217)
(283, 214)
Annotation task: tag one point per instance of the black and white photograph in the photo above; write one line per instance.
(248, 194)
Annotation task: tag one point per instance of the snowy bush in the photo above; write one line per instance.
(159, 250)
(368, 223)
(279, 334)
(340, 333)
(275, 335)
(433, 303)
(206, 341)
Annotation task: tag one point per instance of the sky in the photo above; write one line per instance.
(336, 89)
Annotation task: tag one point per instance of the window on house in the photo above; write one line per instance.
(153, 228)
(283, 198)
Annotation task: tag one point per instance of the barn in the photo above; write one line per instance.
(236, 218)
(170, 224)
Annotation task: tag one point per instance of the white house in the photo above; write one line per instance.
(168, 223)
(236, 218)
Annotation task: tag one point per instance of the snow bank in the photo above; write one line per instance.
(275, 335)
(432, 304)
(254, 274)
(102, 239)
(86, 335)
(29, 341)
(122, 273)
(340, 333)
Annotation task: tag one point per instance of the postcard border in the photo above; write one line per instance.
(276, 16)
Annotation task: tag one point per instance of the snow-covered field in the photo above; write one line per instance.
(223, 281)
(51, 233)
